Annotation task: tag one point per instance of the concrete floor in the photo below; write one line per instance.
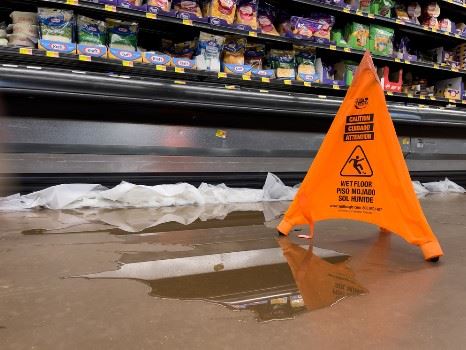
(399, 301)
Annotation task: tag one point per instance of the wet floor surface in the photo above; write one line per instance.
(218, 277)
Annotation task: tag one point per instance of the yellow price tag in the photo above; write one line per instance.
(452, 101)
(407, 62)
(436, 66)
(253, 34)
(347, 10)
(463, 102)
(264, 91)
(425, 27)
(336, 87)
(333, 47)
(179, 70)
(399, 21)
(307, 84)
(187, 22)
(265, 80)
(25, 51)
(322, 96)
(397, 60)
(347, 49)
(180, 82)
(110, 8)
(287, 82)
(457, 36)
(422, 97)
(52, 54)
(410, 95)
(359, 12)
(72, 2)
(389, 93)
(434, 30)
(222, 75)
(432, 98)
(246, 77)
(127, 63)
(160, 68)
(455, 70)
(151, 15)
(230, 87)
(370, 15)
(222, 134)
(85, 58)
(450, 1)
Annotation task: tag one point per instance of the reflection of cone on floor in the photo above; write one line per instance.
(320, 283)
(359, 172)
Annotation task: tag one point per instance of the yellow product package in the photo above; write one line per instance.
(247, 13)
(233, 50)
(165, 5)
(188, 6)
(223, 9)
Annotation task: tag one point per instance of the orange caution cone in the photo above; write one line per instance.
(359, 172)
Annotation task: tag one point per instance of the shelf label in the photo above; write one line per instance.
(161, 68)
(434, 30)
(370, 15)
(222, 134)
(359, 12)
(436, 66)
(246, 77)
(397, 60)
(432, 98)
(72, 2)
(180, 82)
(265, 80)
(322, 96)
(179, 70)
(410, 95)
(25, 51)
(264, 91)
(230, 87)
(463, 101)
(287, 82)
(399, 21)
(457, 36)
(151, 15)
(110, 8)
(336, 87)
(389, 93)
(407, 62)
(127, 63)
(222, 75)
(187, 22)
(425, 27)
(422, 97)
(253, 34)
(85, 58)
(452, 101)
(307, 84)
(52, 54)
(346, 10)
(455, 70)
(347, 49)
(333, 47)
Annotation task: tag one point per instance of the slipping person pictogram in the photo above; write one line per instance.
(357, 164)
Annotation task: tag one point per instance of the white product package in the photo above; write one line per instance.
(445, 186)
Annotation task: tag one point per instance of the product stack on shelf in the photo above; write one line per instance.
(306, 35)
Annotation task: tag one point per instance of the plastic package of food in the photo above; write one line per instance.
(430, 15)
(3, 42)
(21, 40)
(414, 12)
(23, 17)
(254, 55)
(122, 35)
(357, 35)
(381, 40)
(208, 52)
(91, 31)
(325, 25)
(401, 12)
(266, 17)
(165, 5)
(134, 2)
(27, 29)
(233, 50)
(302, 27)
(246, 13)
(305, 59)
(364, 5)
(283, 61)
(2, 30)
(382, 7)
(188, 6)
(56, 24)
(223, 9)
(182, 49)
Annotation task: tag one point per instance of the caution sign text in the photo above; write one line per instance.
(359, 127)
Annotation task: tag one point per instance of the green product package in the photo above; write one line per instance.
(357, 36)
(381, 40)
(122, 35)
(56, 25)
(91, 31)
(382, 7)
(283, 61)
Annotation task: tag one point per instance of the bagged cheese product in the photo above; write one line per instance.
(91, 31)
(266, 18)
(165, 5)
(208, 52)
(182, 49)
(283, 61)
(305, 59)
(56, 24)
(223, 9)
(254, 55)
(188, 6)
(23, 17)
(246, 13)
(233, 50)
(122, 35)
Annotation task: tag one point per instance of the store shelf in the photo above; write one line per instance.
(143, 16)
(182, 76)
(381, 19)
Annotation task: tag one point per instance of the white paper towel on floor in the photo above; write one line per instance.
(445, 186)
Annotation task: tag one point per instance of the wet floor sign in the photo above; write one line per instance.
(359, 172)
